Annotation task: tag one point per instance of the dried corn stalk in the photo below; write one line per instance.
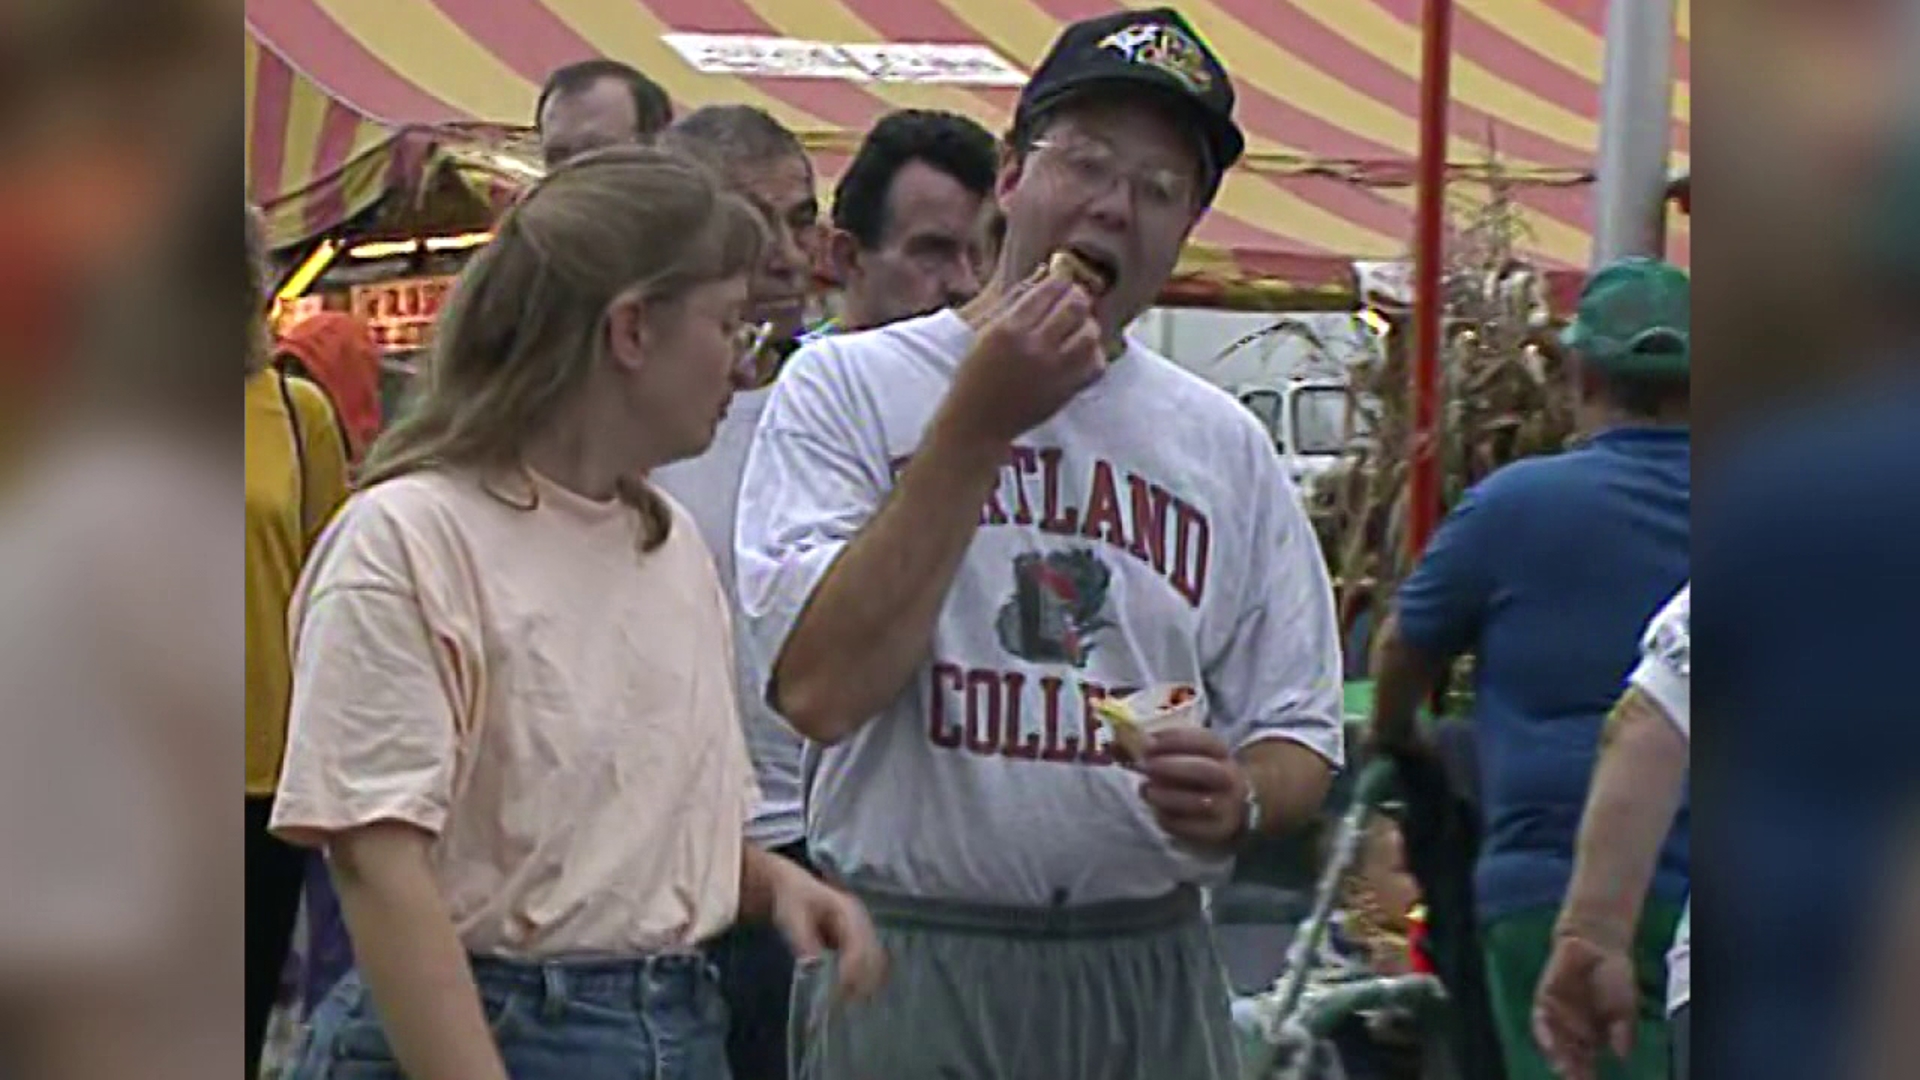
(1506, 393)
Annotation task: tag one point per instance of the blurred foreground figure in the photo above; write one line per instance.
(120, 626)
(1806, 528)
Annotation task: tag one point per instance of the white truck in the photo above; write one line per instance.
(1291, 371)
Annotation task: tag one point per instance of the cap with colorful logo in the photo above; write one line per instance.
(1635, 318)
(1153, 49)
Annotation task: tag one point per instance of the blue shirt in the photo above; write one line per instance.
(1548, 571)
(1808, 586)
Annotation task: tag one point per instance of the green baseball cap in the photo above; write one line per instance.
(1635, 318)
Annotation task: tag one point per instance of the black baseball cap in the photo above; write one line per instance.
(1152, 49)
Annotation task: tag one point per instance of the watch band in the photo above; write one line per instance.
(1250, 823)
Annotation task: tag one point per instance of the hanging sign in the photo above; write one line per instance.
(401, 313)
(891, 62)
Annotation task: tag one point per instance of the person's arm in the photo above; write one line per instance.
(762, 876)
(1435, 617)
(1638, 785)
(814, 918)
(818, 474)
(372, 741)
(844, 591)
(1404, 678)
(1272, 671)
(1278, 676)
(1292, 780)
(870, 622)
(1637, 789)
(406, 948)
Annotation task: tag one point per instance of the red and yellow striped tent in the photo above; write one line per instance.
(348, 99)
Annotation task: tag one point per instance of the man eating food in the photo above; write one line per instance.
(1077, 269)
(957, 533)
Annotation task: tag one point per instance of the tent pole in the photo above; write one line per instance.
(1636, 131)
(1423, 474)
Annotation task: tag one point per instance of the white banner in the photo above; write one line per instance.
(894, 62)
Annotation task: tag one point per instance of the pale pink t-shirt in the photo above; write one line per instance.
(555, 705)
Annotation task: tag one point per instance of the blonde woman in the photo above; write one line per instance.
(514, 727)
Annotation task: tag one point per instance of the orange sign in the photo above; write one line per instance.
(290, 311)
(401, 313)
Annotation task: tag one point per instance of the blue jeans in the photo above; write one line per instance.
(659, 1018)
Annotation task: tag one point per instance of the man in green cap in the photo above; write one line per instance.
(1547, 572)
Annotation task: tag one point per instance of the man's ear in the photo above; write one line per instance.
(1012, 166)
(843, 256)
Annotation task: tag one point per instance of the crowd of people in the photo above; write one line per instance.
(677, 688)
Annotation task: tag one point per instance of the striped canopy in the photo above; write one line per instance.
(348, 99)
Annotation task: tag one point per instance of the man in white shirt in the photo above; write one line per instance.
(760, 159)
(957, 532)
(1587, 1001)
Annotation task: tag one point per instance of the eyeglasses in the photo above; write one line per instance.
(1095, 168)
(751, 339)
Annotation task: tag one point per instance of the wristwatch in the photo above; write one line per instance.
(1250, 821)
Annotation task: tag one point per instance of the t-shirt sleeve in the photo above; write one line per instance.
(1443, 603)
(1278, 674)
(371, 731)
(815, 475)
(1665, 671)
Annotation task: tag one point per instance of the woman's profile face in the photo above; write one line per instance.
(692, 358)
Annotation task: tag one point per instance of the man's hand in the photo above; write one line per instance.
(1587, 998)
(816, 918)
(1036, 349)
(1198, 792)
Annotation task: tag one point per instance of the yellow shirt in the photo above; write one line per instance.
(280, 531)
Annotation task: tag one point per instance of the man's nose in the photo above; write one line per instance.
(1114, 207)
(963, 280)
(785, 255)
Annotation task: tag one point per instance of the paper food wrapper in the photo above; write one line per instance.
(1132, 719)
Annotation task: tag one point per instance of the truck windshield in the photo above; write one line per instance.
(1322, 420)
(1265, 404)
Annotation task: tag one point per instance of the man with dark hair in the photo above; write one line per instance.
(1547, 572)
(905, 214)
(757, 157)
(595, 103)
(959, 532)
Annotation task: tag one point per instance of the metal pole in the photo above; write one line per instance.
(1636, 131)
(1429, 255)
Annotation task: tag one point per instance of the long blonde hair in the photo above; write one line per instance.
(525, 325)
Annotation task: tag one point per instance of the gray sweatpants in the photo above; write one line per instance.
(1118, 991)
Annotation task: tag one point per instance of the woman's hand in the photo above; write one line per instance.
(817, 918)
